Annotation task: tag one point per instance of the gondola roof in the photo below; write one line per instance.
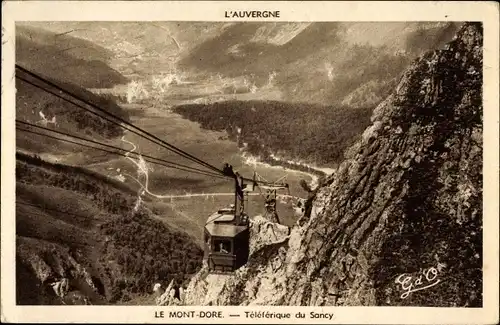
(224, 230)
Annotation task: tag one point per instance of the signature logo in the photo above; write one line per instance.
(425, 279)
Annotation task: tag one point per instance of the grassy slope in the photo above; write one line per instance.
(211, 146)
(65, 58)
(30, 102)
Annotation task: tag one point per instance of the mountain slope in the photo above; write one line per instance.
(65, 58)
(408, 199)
(319, 62)
(355, 63)
(135, 48)
(91, 237)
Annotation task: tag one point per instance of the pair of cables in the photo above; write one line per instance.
(94, 109)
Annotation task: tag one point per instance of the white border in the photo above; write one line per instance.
(486, 12)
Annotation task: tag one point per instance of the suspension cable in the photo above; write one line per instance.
(128, 126)
(114, 147)
(164, 144)
(120, 154)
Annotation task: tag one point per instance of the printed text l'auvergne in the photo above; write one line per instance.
(252, 14)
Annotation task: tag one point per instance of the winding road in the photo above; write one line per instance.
(143, 170)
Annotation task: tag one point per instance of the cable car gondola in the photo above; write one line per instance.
(226, 232)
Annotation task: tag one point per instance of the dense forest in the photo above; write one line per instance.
(147, 252)
(132, 248)
(310, 133)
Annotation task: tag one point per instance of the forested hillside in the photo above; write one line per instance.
(300, 131)
(81, 226)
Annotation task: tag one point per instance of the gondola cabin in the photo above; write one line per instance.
(226, 233)
(226, 240)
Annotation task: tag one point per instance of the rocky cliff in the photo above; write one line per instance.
(403, 211)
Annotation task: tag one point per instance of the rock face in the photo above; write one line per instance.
(58, 275)
(206, 289)
(264, 233)
(406, 202)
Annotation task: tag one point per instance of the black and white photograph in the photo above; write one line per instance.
(249, 163)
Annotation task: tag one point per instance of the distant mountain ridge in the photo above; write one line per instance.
(314, 62)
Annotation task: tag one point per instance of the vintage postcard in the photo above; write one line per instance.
(250, 162)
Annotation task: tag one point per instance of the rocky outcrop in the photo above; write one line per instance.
(206, 289)
(406, 202)
(168, 296)
(57, 271)
(264, 233)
